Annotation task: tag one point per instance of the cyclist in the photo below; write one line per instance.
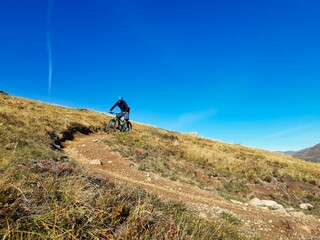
(125, 109)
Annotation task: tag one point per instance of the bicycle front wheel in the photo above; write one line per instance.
(112, 125)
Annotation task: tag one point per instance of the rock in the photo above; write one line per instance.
(272, 204)
(267, 204)
(298, 214)
(95, 140)
(290, 209)
(255, 202)
(221, 210)
(203, 215)
(95, 162)
(236, 202)
(282, 210)
(264, 208)
(306, 206)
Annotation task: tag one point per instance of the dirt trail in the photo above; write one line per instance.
(267, 224)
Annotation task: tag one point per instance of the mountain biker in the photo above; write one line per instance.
(125, 109)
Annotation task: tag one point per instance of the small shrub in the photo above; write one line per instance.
(232, 219)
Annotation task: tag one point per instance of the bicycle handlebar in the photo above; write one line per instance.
(114, 113)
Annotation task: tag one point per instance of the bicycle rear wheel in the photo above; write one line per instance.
(127, 127)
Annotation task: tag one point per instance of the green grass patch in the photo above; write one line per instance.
(235, 190)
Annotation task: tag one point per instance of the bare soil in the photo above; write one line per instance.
(256, 221)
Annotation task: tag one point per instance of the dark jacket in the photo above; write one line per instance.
(122, 105)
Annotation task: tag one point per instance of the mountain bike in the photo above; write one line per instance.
(118, 123)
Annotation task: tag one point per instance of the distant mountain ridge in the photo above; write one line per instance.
(289, 153)
(311, 154)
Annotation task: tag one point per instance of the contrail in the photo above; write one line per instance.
(49, 47)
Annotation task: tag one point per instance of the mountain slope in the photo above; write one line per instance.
(45, 192)
(45, 195)
(311, 154)
(205, 198)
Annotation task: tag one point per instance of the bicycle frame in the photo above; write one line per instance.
(118, 123)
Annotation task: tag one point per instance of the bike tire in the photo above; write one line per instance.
(112, 126)
(127, 127)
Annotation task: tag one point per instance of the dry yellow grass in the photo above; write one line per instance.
(246, 162)
(217, 158)
(45, 196)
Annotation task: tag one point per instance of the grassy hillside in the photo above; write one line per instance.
(156, 148)
(45, 195)
(231, 170)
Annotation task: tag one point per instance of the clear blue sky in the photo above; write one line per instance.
(245, 71)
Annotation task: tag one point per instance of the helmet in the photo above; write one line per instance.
(120, 98)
